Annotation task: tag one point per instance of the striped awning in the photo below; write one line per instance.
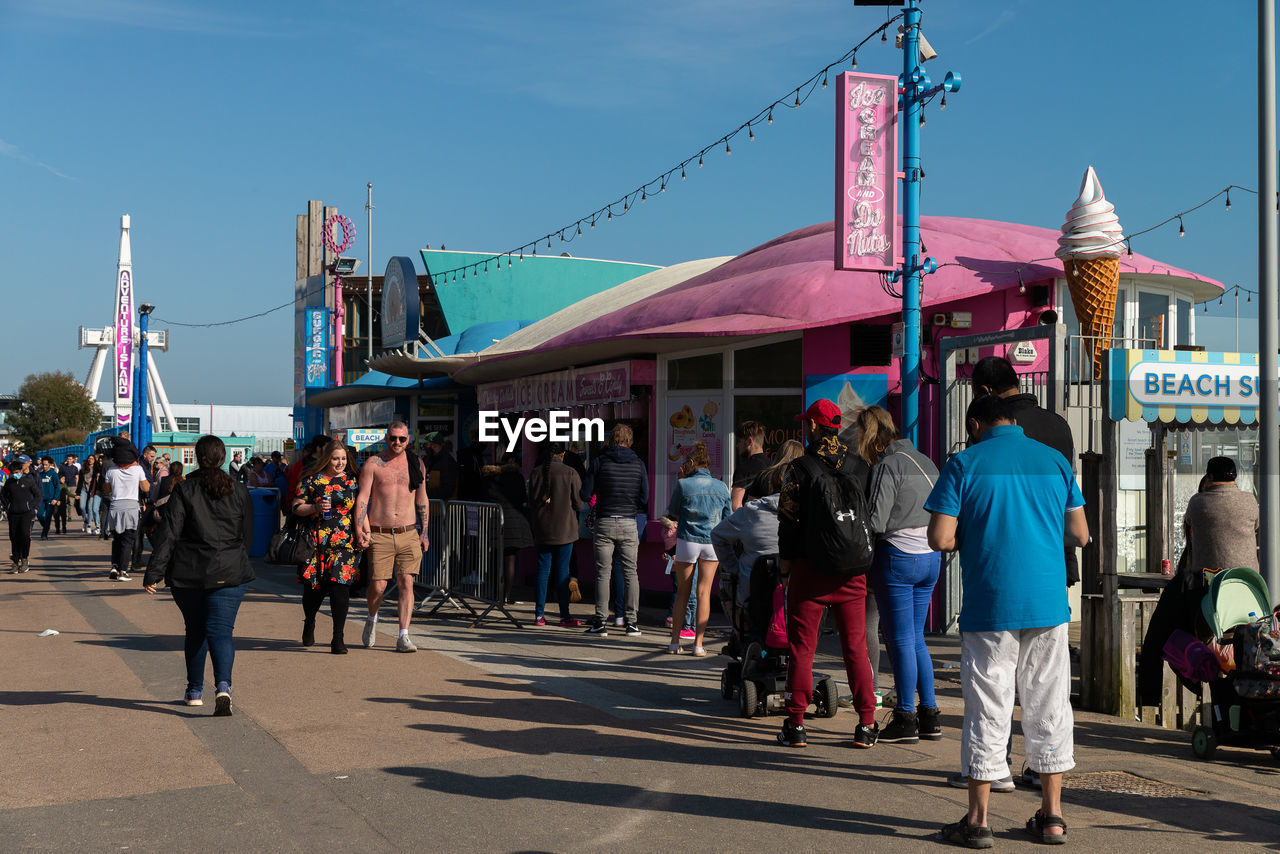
(1184, 387)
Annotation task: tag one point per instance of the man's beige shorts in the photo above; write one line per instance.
(394, 554)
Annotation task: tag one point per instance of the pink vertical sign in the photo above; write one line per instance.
(124, 347)
(867, 232)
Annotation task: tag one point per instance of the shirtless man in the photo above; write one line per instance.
(391, 522)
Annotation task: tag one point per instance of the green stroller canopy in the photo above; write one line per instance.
(1237, 595)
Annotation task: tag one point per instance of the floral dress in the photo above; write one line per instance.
(335, 557)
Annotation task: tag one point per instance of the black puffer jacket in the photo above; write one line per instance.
(205, 542)
(21, 494)
(619, 481)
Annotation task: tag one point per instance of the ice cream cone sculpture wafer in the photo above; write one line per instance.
(1089, 249)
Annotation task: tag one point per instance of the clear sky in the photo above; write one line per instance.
(485, 125)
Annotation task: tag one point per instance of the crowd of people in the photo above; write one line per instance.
(854, 521)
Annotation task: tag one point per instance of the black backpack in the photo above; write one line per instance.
(837, 524)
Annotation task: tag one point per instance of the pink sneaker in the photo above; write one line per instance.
(688, 633)
(541, 621)
(570, 624)
(667, 623)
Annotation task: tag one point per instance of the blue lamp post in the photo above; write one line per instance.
(916, 89)
(140, 431)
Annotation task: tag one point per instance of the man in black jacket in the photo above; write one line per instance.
(995, 375)
(20, 497)
(620, 483)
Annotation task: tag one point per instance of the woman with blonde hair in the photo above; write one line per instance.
(698, 503)
(905, 569)
(328, 490)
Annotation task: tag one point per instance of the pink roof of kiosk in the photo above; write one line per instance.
(791, 283)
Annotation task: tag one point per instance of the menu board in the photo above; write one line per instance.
(690, 419)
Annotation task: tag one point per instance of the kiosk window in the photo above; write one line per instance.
(696, 372)
(771, 366)
(1153, 309)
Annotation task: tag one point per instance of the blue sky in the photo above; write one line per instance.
(484, 126)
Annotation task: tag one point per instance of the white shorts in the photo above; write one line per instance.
(687, 552)
(1037, 663)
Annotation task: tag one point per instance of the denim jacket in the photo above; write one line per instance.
(699, 502)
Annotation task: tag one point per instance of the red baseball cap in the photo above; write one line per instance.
(823, 412)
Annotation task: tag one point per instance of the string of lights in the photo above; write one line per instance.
(1126, 240)
(1234, 289)
(794, 99)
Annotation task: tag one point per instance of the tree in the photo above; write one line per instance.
(52, 402)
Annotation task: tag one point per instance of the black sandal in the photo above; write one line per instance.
(1038, 822)
(968, 835)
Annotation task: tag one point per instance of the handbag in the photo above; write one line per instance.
(293, 544)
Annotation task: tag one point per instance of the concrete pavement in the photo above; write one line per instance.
(495, 739)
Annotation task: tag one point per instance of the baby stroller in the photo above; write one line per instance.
(1244, 705)
(758, 647)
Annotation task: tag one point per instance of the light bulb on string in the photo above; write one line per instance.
(797, 98)
(548, 241)
(562, 237)
(626, 204)
(610, 214)
(1228, 200)
(727, 149)
(699, 161)
(663, 188)
(884, 38)
(683, 177)
(643, 195)
(535, 249)
(769, 118)
(751, 135)
(1128, 245)
(1182, 232)
(922, 118)
(824, 78)
(522, 255)
(1249, 298)
(855, 60)
(579, 228)
(1219, 300)
(593, 222)
(943, 105)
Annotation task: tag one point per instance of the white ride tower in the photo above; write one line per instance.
(121, 342)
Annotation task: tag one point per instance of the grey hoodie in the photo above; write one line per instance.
(899, 489)
(754, 526)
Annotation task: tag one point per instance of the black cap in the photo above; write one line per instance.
(1221, 469)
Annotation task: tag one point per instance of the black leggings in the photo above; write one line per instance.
(122, 549)
(339, 600)
(20, 534)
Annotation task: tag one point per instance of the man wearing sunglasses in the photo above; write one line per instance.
(391, 522)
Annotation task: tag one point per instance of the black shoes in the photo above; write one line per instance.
(929, 723)
(865, 736)
(338, 646)
(309, 633)
(598, 628)
(632, 630)
(792, 735)
(902, 729)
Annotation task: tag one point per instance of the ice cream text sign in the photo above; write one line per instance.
(867, 232)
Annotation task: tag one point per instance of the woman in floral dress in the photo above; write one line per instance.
(328, 492)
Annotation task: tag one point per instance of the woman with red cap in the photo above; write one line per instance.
(822, 498)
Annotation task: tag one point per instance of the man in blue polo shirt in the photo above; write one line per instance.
(1009, 504)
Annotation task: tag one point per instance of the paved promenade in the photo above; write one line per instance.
(496, 740)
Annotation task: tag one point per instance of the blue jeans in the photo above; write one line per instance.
(903, 587)
(548, 557)
(90, 504)
(210, 616)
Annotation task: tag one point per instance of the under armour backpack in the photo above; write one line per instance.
(836, 522)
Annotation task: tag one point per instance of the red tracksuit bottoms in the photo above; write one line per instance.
(808, 593)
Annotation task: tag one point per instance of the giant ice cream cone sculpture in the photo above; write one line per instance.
(1089, 248)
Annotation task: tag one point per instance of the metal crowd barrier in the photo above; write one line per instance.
(466, 566)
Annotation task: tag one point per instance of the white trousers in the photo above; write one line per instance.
(1036, 664)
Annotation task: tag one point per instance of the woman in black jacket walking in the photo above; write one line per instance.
(203, 557)
(20, 499)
